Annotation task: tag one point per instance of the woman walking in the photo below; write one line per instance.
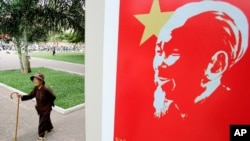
(44, 102)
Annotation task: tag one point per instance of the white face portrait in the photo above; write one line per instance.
(190, 59)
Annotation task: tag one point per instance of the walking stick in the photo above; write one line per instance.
(17, 112)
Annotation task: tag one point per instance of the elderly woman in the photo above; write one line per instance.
(44, 102)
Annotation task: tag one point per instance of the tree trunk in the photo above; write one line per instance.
(25, 57)
(19, 51)
(26, 63)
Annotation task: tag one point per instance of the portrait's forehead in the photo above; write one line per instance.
(183, 13)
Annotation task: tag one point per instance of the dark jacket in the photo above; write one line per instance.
(44, 99)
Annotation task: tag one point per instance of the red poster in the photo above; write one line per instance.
(183, 69)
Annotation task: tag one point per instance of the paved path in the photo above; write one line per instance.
(70, 127)
(11, 61)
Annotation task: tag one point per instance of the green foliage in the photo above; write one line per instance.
(37, 34)
(69, 88)
(30, 21)
(39, 20)
(70, 37)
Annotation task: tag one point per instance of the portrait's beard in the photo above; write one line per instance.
(159, 98)
(161, 102)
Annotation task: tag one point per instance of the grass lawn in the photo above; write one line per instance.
(72, 57)
(69, 88)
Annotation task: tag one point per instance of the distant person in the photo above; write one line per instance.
(44, 102)
(54, 50)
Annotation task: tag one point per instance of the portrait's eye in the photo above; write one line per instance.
(159, 50)
(175, 52)
(172, 52)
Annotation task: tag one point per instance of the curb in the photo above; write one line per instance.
(69, 110)
(56, 108)
(57, 61)
(73, 72)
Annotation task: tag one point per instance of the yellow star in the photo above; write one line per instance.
(153, 21)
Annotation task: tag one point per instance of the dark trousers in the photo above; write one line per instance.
(44, 124)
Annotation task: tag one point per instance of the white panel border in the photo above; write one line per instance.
(110, 48)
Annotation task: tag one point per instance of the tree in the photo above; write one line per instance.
(37, 34)
(61, 15)
(11, 23)
(21, 19)
(70, 37)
